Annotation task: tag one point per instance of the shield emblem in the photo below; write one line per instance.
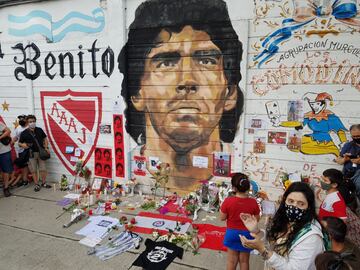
(72, 122)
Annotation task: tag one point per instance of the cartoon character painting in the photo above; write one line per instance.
(328, 132)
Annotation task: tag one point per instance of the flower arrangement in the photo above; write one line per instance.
(129, 224)
(82, 170)
(190, 240)
(64, 185)
(161, 176)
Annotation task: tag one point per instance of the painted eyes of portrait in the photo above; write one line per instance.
(204, 59)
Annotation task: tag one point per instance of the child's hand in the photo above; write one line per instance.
(250, 222)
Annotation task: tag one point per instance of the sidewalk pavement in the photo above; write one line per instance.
(33, 239)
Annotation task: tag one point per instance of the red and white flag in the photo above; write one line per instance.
(148, 222)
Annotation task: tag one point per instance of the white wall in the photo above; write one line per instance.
(320, 67)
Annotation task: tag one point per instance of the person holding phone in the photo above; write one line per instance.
(350, 153)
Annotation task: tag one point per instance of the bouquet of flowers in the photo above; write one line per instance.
(82, 171)
(161, 176)
(189, 240)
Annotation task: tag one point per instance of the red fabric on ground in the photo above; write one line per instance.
(172, 207)
(214, 236)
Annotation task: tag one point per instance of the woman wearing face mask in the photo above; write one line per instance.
(294, 236)
(34, 137)
(337, 195)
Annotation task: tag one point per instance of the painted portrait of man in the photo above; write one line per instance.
(181, 68)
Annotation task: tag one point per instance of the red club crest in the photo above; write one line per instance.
(72, 119)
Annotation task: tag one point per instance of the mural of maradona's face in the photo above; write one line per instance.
(184, 90)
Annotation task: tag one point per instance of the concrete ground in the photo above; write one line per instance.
(31, 238)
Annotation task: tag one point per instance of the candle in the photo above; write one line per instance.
(88, 199)
(105, 193)
(54, 187)
(91, 199)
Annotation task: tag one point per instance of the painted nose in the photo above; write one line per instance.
(187, 83)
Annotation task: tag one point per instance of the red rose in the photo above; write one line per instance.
(133, 221)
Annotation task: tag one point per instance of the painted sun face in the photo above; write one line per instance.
(317, 106)
(184, 89)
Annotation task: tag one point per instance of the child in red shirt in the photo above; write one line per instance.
(334, 204)
(230, 211)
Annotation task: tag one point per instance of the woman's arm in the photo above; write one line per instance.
(5, 133)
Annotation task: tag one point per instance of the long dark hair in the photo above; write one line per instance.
(279, 224)
(336, 177)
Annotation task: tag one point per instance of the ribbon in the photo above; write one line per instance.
(342, 10)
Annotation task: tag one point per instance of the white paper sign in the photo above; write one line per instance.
(97, 183)
(74, 159)
(77, 152)
(72, 196)
(90, 241)
(294, 177)
(200, 162)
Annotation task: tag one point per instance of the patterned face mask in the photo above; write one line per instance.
(294, 213)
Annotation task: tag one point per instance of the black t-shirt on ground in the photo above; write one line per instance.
(27, 136)
(158, 255)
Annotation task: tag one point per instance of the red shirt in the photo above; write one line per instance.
(333, 206)
(234, 206)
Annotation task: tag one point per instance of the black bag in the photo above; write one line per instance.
(23, 158)
(6, 140)
(43, 154)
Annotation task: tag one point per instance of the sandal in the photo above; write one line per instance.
(46, 185)
(37, 188)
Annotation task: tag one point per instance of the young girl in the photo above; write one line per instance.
(334, 204)
(230, 211)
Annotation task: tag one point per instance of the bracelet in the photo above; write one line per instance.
(265, 254)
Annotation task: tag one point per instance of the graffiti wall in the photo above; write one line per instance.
(303, 84)
(207, 86)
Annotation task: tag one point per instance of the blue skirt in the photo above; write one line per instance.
(232, 240)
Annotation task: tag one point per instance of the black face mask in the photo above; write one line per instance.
(22, 123)
(294, 213)
(356, 140)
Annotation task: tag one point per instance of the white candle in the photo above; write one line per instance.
(88, 199)
(91, 199)
(105, 193)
